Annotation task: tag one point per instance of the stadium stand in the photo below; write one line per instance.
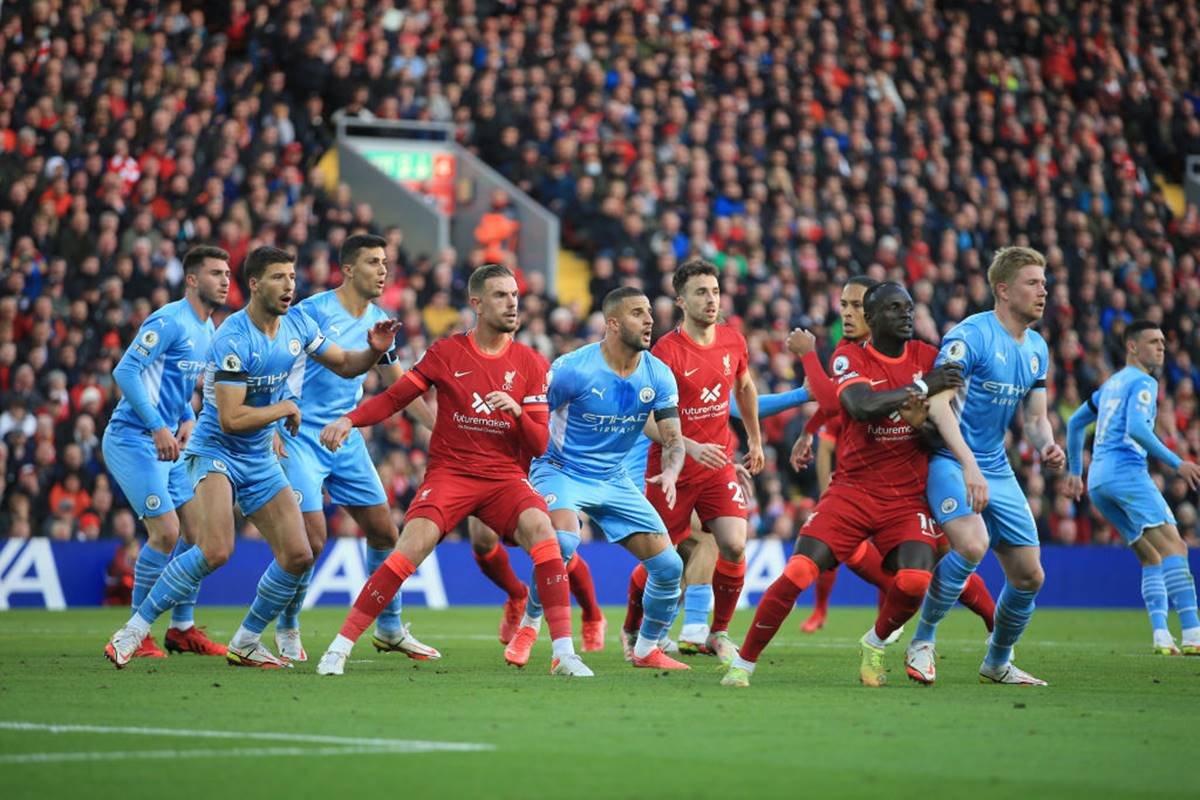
(792, 143)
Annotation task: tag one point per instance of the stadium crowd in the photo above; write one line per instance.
(794, 144)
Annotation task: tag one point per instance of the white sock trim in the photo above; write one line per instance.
(742, 663)
(183, 626)
(644, 646)
(562, 647)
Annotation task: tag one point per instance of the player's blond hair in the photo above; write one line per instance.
(1009, 261)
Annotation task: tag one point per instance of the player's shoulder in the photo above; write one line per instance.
(233, 326)
(844, 356)
(976, 326)
(166, 315)
(657, 367)
(316, 305)
(923, 350)
(521, 352)
(728, 335)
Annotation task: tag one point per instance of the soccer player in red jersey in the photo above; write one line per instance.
(878, 489)
(478, 461)
(710, 362)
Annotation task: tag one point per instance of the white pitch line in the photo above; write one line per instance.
(356, 743)
(236, 752)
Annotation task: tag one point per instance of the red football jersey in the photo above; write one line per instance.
(471, 437)
(705, 376)
(882, 456)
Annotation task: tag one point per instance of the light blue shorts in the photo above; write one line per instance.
(255, 481)
(1007, 516)
(152, 487)
(613, 503)
(348, 474)
(1132, 506)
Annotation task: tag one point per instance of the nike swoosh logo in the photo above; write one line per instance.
(764, 627)
(876, 383)
(688, 373)
(460, 374)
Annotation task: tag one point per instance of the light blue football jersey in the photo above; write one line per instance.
(596, 416)
(1116, 454)
(243, 354)
(322, 394)
(998, 372)
(163, 363)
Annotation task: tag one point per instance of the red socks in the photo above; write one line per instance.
(727, 582)
(381, 587)
(633, 612)
(824, 589)
(902, 600)
(551, 577)
(496, 566)
(975, 596)
(777, 603)
(579, 575)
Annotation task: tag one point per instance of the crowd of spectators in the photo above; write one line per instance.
(794, 144)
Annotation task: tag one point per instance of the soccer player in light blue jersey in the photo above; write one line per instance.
(1124, 409)
(151, 425)
(972, 491)
(601, 397)
(230, 458)
(344, 315)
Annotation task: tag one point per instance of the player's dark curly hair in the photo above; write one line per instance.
(356, 243)
(691, 268)
(484, 274)
(262, 257)
(1136, 327)
(195, 258)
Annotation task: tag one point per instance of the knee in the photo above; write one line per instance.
(913, 582)
(973, 550)
(217, 554)
(1030, 581)
(297, 562)
(384, 539)
(733, 551)
(666, 567)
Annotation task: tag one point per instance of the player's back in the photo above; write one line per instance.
(1114, 452)
(882, 457)
(998, 372)
(242, 353)
(324, 395)
(596, 415)
(470, 437)
(169, 354)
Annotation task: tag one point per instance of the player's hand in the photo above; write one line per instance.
(1190, 472)
(745, 480)
(666, 482)
(801, 342)
(184, 432)
(335, 433)
(977, 488)
(502, 401)
(382, 336)
(802, 452)
(1053, 456)
(710, 455)
(165, 445)
(291, 416)
(754, 459)
(947, 376)
(915, 411)
(1073, 487)
(278, 447)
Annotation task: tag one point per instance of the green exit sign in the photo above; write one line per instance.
(402, 166)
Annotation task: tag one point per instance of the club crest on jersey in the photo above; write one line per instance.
(294, 347)
(509, 377)
(725, 362)
(646, 394)
(153, 502)
(149, 338)
(957, 350)
(1144, 397)
(231, 363)
(949, 505)
(840, 365)
(1034, 364)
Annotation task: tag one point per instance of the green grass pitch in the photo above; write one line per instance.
(1115, 722)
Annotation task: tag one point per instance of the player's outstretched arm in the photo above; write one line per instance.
(1138, 425)
(351, 363)
(947, 426)
(1076, 434)
(747, 395)
(776, 403)
(1040, 432)
(418, 409)
(710, 455)
(236, 417)
(863, 403)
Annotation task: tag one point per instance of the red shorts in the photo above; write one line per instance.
(711, 494)
(447, 499)
(844, 518)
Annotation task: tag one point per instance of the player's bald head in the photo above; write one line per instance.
(879, 294)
